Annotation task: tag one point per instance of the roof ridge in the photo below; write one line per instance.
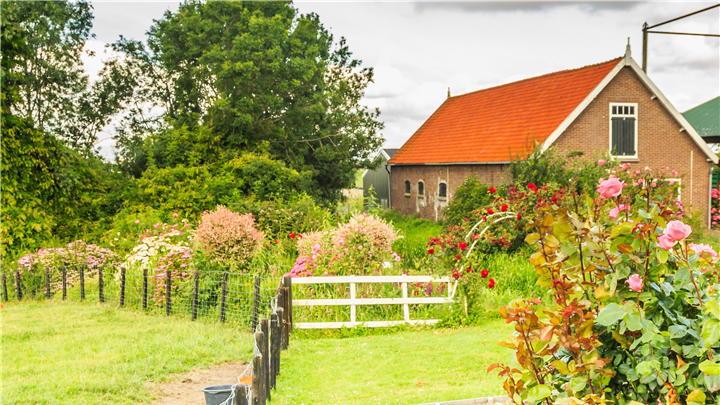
(536, 77)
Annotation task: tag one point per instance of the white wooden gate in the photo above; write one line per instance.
(353, 301)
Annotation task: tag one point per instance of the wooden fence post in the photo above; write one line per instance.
(281, 325)
(288, 284)
(82, 283)
(261, 342)
(168, 289)
(256, 303)
(265, 351)
(122, 286)
(18, 286)
(145, 288)
(6, 297)
(223, 298)
(288, 309)
(240, 395)
(196, 286)
(101, 295)
(47, 284)
(256, 380)
(274, 349)
(64, 282)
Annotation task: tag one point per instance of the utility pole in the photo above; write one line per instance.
(646, 31)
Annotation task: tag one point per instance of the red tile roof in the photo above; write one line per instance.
(498, 124)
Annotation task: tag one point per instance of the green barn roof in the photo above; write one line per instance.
(705, 118)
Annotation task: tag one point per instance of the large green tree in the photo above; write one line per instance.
(248, 76)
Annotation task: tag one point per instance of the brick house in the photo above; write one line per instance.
(608, 107)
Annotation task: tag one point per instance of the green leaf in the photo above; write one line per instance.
(633, 322)
(610, 314)
(713, 308)
(662, 255)
(532, 238)
(622, 229)
(697, 397)
(711, 332)
(708, 367)
(538, 393)
(712, 382)
(677, 331)
(646, 368)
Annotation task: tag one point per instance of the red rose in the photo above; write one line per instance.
(469, 270)
(554, 199)
(484, 274)
(277, 241)
(466, 219)
(292, 235)
(431, 251)
(490, 211)
(462, 245)
(484, 218)
(492, 190)
(519, 216)
(459, 257)
(504, 208)
(532, 187)
(491, 283)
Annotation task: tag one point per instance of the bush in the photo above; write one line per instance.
(228, 238)
(634, 311)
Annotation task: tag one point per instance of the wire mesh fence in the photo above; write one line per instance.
(228, 297)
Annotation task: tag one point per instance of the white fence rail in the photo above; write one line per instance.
(353, 301)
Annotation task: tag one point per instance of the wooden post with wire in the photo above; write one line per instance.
(224, 297)
(256, 303)
(18, 286)
(287, 281)
(101, 295)
(6, 297)
(196, 286)
(145, 289)
(122, 286)
(288, 312)
(82, 283)
(47, 284)
(257, 390)
(265, 351)
(240, 395)
(168, 289)
(63, 269)
(274, 349)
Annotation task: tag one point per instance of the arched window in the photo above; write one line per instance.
(407, 186)
(421, 188)
(443, 190)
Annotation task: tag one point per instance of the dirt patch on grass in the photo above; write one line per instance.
(185, 390)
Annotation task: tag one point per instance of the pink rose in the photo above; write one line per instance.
(672, 182)
(677, 230)
(137, 221)
(665, 242)
(175, 215)
(616, 211)
(675, 173)
(701, 248)
(635, 283)
(601, 162)
(610, 188)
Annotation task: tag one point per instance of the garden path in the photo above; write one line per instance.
(185, 390)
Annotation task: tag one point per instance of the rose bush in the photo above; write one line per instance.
(635, 312)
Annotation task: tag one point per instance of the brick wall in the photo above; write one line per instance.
(431, 205)
(659, 139)
(660, 142)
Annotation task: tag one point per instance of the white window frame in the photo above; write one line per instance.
(678, 182)
(610, 117)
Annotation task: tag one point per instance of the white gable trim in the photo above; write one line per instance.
(628, 61)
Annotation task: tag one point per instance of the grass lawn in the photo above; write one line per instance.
(410, 367)
(70, 353)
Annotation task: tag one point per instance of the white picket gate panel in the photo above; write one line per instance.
(353, 301)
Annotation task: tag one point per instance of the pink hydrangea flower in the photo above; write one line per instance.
(616, 211)
(610, 188)
(635, 283)
(677, 230)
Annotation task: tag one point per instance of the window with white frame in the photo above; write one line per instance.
(623, 129)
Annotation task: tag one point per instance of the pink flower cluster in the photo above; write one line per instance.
(674, 231)
(228, 237)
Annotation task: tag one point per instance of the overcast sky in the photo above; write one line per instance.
(419, 49)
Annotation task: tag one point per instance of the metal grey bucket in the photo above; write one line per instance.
(217, 394)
